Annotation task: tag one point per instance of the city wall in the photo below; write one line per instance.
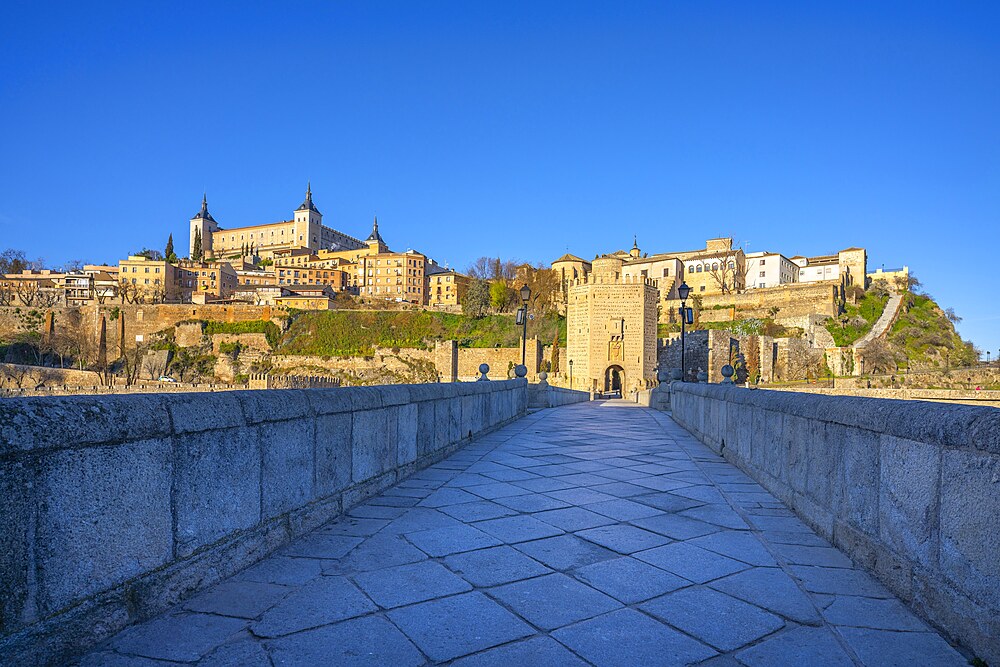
(791, 301)
(117, 507)
(908, 490)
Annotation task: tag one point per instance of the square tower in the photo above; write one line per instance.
(611, 329)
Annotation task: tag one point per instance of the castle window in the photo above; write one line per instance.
(762, 262)
(666, 273)
(715, 266)
(702, 288)
(698, 268)
(732, 265)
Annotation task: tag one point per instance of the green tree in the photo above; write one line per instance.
(168, 252)
(196, 252)
(499, 295)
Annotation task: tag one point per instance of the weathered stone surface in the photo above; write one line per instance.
(286, 479)
(17, 518)
(373, 446)
(406, 434)
(333, 453)
(970, 524)
(217, 485)
(908, 498)
(37, 424)
(103, 517)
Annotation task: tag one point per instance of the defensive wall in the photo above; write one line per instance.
(909, 490)
(116, 507)
(793, 300)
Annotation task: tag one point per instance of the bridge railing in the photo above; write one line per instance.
(910, 490)
(112, 508)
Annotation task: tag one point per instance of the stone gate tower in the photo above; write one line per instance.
(611, 329)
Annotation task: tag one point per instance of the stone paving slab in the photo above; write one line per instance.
(592, 534)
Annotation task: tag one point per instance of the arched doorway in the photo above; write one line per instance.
(614, 380)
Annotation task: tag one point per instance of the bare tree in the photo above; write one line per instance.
(728, 269)
(27, 292)
(878, 356)
(152, 366)
(47, 298)
(804, 362)
(7, 295)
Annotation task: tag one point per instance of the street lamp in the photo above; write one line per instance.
(570, 373)
(525, 295)
(683, 291)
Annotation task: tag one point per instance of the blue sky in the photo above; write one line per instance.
(519, 129)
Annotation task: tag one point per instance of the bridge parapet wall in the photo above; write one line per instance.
(116, 507)
(909, 490)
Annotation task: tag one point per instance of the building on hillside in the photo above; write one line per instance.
(611, 323)
(849, 267)
(719, 268)
(251, 276)
(336, 279)
(260, 295)
(570, 268)
(896, 278)
(204, 281)
(445, 288)
(307, 297)
(32, 287)
(769, 269)
(143, 279)
(304, 230)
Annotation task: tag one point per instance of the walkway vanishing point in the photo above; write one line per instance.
(593, 534)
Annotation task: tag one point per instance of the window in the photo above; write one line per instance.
(702, 288)
(761, 274)
(732, 265)
(666, 273)
(762, 262)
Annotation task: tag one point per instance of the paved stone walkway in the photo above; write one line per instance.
(594, 534)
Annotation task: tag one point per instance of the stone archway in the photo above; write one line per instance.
(614, 380)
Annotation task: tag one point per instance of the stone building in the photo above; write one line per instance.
(849, 267)
(304, 230)
(611, 325)
(445, 287)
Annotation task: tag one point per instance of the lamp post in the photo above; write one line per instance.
(683, 291)
(525, 295)
(570, 373)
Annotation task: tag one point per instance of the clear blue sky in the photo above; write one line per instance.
(519, 129)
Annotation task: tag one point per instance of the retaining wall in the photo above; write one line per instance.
(116, 507)
(909, 490)
(547, 396)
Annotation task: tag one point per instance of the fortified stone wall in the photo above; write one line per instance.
(907, 489)
(117, 507)
(15, 376)
(499, 359)
(792, 301)
(964, 396)
(141, 319)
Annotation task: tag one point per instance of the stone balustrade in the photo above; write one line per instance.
(910, 490)
(116, 507)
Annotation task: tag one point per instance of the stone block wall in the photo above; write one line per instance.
(116, 507)
(908, 489)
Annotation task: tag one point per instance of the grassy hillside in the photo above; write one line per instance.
(924, 335)
(858, 319)
(350, 333)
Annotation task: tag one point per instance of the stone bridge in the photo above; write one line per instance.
(448, 524)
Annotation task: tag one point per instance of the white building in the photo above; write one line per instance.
(770, 269)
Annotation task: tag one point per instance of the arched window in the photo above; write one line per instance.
(698, 270)
(715, 266)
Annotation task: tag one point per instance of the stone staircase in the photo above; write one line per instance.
(883, 323)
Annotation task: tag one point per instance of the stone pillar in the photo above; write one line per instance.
(446, 360)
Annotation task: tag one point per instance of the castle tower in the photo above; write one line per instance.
(634, 253)
(611, 329)
(203, 225)
(374, 240)
(308, 222)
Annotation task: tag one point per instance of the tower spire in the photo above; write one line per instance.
(308, 205)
